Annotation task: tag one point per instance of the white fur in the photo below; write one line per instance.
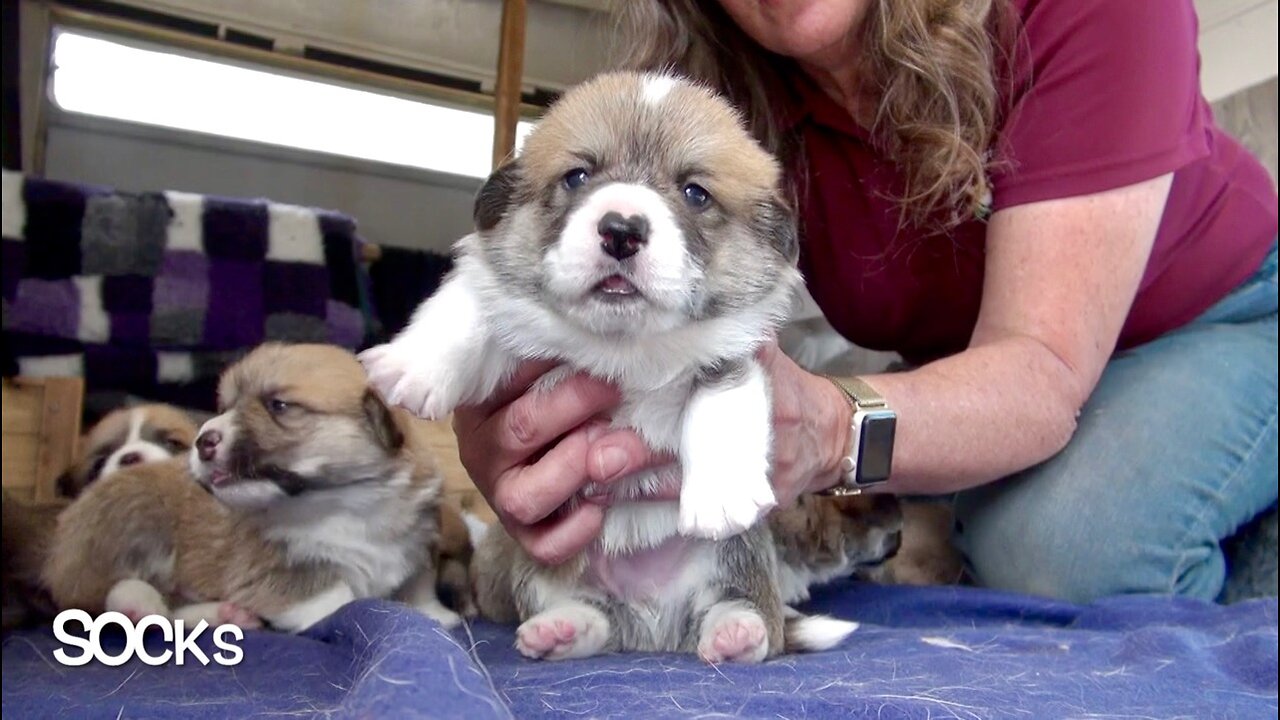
(657, 87)
(311, 611)
(334, 527)
(136, 599)
(816, 633)
(443, 358)
(725, 455)
(133, 443)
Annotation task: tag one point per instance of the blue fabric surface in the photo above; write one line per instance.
(921, 653)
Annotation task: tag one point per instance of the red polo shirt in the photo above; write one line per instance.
(1113, 98)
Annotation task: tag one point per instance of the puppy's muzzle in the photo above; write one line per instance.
(207, 444)
(621, 237)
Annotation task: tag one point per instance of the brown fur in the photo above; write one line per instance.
(927, 556)
(27, 531)
(156, 523)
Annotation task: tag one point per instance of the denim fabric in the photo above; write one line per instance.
(1175, 451)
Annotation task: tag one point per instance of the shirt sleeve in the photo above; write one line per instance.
(1112, 98)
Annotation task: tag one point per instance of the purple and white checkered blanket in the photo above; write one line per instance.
(135, 290)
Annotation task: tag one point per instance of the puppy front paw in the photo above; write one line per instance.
(136, 599)
(408, 375)
(572, 631)
(718, 510)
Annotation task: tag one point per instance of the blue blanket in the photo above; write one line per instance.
(920, 653)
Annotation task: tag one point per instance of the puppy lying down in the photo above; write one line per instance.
(305, 493)
(122, 438)
(641, 237)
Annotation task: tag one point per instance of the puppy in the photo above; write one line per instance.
(927, 555)
(305, 493)
(640, 237)
(128, 436)
(820, 539)
(122, 438)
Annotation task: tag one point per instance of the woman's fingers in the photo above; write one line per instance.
(528, 494)
(557, 539)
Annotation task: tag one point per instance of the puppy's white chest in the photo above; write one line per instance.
(372, 565)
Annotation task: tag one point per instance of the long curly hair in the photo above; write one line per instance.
(940, 73)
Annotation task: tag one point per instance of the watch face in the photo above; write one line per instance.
(875, 456)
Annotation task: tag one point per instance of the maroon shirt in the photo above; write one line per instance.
(1113, 99)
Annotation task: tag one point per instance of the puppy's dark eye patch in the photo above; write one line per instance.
(176, 445)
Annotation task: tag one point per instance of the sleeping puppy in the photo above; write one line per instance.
(128, 436)
(640, 237)
(305, 493)
(122, 438)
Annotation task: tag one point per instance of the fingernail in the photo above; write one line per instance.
(610, 463)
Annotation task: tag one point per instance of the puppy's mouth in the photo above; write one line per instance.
(616, 288)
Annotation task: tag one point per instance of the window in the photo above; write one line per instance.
(109, 79)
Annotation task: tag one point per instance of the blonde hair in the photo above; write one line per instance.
(938, 71)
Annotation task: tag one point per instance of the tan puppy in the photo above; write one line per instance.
(305, 493)
(128, 436)
(927, 556)
(642, 237)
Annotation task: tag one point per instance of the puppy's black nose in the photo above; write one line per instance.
(132, 458)
(207, 444)
(620, 237)
(892, 544)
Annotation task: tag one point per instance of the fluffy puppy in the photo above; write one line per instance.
(927, 555)
(640, 237)
(304, 493)
(128, 436)
(821, 539)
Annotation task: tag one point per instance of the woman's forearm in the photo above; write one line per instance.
(978, 416)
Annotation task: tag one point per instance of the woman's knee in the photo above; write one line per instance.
(1017, 539)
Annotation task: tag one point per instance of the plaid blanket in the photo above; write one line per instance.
(139, 291)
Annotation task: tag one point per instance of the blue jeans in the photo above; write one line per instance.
(1175, 450)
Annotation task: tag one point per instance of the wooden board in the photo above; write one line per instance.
(41, 429)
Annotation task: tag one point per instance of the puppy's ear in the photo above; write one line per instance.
(775, 221)
(496, 196)
(382, 422)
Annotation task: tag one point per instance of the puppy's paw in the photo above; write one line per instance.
(136, 599)
(571, 631)
(412, 376)
(718, 510)
(733, 634)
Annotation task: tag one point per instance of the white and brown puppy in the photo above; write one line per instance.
(128, 436)
(641, 236)
(305, 493)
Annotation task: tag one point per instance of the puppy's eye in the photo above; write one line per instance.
(276, 406)
(175, 445)
(697, 196)
(98, 465)
(576, 178)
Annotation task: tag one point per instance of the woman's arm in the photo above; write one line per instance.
(1060, 278)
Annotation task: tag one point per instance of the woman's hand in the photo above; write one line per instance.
(529, 452)
(811, 419)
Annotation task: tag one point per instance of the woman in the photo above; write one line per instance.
(1029, 201)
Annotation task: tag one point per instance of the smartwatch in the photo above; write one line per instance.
(869, 461)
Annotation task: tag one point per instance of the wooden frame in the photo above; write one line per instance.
(506, 115)
(41, 432)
